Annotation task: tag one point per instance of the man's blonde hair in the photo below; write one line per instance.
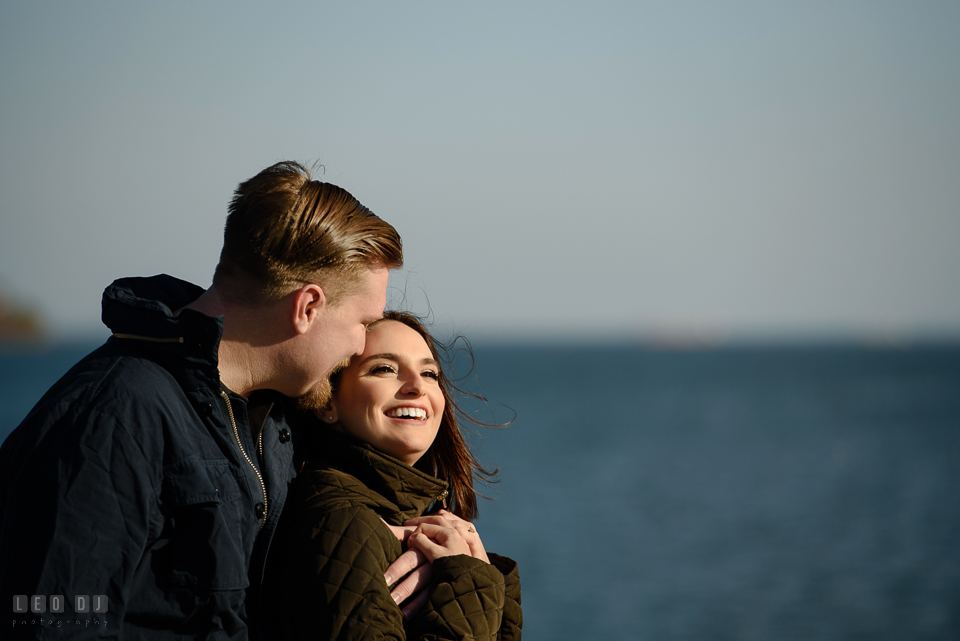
(285, 230)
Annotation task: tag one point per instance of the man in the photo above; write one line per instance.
(149, 479)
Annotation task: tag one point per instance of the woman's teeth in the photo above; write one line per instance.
(407, 412)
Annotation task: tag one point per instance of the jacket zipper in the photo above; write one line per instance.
(443, 499)
(236, 434)
(149, 339)
(260, 440)
(233, 422)
(260, 445)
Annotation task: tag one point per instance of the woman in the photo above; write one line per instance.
(391, 431)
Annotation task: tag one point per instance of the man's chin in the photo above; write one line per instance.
(319, 397)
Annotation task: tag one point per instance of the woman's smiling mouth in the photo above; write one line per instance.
(407, 412)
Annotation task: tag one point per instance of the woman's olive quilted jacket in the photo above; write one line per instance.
(330, 554)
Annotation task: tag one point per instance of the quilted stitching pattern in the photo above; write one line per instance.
(512, 623)
(340, 592)
(334, 549)
(466, 601)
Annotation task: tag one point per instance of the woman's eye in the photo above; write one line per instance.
(382, 369)
(431, 374)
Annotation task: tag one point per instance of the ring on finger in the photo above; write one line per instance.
(470, 530)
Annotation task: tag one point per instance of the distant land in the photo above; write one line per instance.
(18, 324)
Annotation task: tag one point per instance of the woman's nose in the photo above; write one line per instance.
(412, 385)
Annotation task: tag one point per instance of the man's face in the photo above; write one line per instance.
(340, 332)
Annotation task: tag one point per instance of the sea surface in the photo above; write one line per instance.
(734, 493)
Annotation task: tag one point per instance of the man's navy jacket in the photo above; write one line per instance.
(136, 477)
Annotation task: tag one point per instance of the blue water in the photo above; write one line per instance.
(769, 493)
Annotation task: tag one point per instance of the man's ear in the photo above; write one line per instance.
(308, 304)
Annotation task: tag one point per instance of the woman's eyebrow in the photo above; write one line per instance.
(384, 355)
(387, 356)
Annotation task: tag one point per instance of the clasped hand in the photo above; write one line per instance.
(428, 538)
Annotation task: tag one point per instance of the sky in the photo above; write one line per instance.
(679, 171)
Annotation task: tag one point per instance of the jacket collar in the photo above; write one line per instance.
(395, 490)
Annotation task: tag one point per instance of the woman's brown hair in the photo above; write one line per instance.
(449, 457)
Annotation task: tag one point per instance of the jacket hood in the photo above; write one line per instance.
(148, 312)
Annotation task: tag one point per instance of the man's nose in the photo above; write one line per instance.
(362, 344)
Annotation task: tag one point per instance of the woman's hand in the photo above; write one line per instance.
(466, 530)
(415, 570)
(437, 541)
(411, 593)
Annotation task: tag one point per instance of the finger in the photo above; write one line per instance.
(450, 516)
(446, 537)
(474, 544)
(433, 530)
(442, 517)
(400, 531)
(416, 604)
(465, 528)
(418, 581)
(433, 519)
(404, 565)
(436, 542)
(477, 550)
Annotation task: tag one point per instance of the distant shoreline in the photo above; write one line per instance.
(19, 325)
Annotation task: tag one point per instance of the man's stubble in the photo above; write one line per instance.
(319, 396)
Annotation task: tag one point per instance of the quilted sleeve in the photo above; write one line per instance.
(512, 622)
(466, 602)
(333, 579)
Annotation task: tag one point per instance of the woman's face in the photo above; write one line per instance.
(389, 395)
